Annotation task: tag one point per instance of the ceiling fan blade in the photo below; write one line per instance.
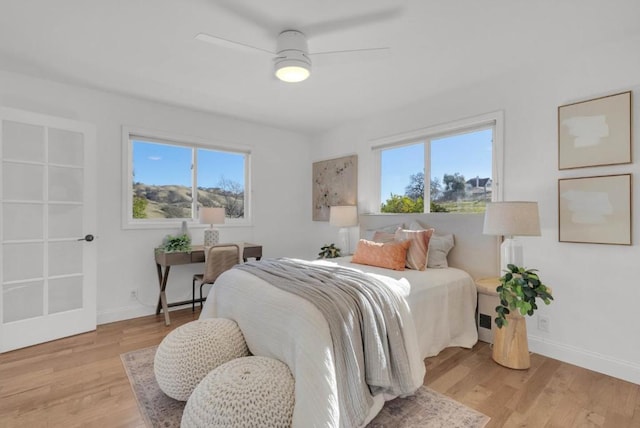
(381, 50)
(226, 43)
(351, 56)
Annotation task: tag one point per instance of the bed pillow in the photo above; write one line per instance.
(416, 225)
(369, 233)
(380, 236)
(419, 248)
(439, 247)
(389, 255)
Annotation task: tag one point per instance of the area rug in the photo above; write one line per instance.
(427, 408)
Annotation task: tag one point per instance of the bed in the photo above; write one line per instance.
(281, 325)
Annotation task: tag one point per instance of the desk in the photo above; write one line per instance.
(196, 255)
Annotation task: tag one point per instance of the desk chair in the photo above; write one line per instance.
(218, 259)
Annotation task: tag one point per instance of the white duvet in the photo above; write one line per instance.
(280, 325)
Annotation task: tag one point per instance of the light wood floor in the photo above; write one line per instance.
(80, 381)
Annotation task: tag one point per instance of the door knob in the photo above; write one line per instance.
(87, 238)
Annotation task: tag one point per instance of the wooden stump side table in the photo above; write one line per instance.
(510, 345)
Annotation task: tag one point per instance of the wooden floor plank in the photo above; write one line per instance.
(80, 382)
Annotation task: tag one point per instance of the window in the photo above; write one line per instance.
(169, 179)
(453, 167)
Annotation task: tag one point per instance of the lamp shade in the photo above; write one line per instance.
(212, 215)
(343, 216)
(514, 218)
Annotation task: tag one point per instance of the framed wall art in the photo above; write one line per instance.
(335, 182)
(595, 132)
(595, 210)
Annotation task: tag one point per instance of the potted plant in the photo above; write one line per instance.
(178, 243)
(518, 290)
(329, 252)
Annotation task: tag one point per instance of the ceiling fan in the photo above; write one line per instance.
(292, 59)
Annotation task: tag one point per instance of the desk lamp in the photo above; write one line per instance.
(211, 216)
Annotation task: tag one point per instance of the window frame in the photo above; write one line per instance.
(425, 135)
(154, 136)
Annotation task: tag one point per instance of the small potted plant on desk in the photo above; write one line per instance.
(518, 290)
(329, 252)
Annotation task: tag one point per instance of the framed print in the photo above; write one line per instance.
(335, 182)
(595, 132)
(595, 210)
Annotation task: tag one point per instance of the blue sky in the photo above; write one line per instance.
(468, 154)
(160, 164)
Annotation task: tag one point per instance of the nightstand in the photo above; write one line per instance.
(487, 302)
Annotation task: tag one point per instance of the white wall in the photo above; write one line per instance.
(593, 321)
(280, 179)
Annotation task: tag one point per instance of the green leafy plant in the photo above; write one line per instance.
(329, 252)
(176, 243)
(518, 290)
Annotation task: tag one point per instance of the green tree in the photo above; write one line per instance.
(402, 204)
(454, 187)
(435, 189)
(140, 207)
(437, 208)
(415, 189)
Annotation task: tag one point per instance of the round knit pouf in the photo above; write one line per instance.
(246, 392)
(191, 351)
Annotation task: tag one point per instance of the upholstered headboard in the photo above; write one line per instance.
(473, 252)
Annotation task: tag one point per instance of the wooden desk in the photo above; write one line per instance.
(196, 255)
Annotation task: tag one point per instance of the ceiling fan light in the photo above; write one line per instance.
(292, 71)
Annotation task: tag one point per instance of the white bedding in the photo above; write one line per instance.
(442, 302)
(280, 325)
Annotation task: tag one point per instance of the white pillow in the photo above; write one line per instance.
(439, 247)
(368, 234)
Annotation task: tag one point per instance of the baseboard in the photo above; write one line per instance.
(128, 312)
(600, 363)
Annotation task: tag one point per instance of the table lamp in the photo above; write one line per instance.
(211, 216)
(344, 216)
(509, 219)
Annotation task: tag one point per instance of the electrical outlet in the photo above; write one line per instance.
(133, 295)
(543, 323)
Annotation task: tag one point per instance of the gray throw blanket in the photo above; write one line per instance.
(366, 329)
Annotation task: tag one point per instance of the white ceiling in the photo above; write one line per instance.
(146, 48)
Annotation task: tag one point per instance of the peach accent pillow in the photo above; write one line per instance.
(389, 255)
(419, 248)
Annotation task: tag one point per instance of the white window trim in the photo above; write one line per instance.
(495, 119)
(163, 137)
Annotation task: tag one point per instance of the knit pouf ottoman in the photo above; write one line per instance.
(246, 392)
(187, 354)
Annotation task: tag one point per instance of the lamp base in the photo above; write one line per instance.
(345, 241)
(211, 237)
(511, 251)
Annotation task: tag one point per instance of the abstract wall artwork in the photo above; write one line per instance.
(335, 182)
(595, 132)
(595, 209)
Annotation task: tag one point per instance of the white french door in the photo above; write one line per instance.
(47, 223)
